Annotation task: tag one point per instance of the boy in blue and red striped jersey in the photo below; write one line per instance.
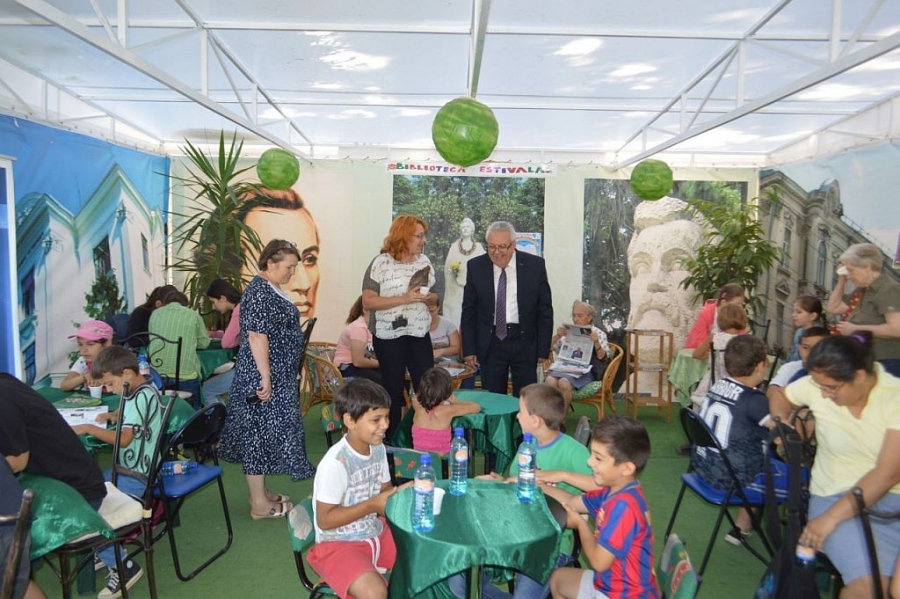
(620, 546)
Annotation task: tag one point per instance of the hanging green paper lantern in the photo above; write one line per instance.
(651, 179)
(465, 131)
(278, 169)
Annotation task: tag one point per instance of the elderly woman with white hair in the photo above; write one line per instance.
(873, 306)
(583, 315)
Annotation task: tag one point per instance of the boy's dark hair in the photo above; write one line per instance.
(731, 316)
(545, 401)
(358, 397)
(114, 360)
(627, 440)
(815, 332)
(743, 353)
(435, 386)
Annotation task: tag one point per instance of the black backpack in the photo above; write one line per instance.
(784, 578)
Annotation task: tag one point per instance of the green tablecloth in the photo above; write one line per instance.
(213, 357)
(685, 373)
(486, 527)
(495, 426)
(181, 411)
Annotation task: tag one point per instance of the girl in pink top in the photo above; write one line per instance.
(353, 354)
(435, 408)
(731, 293)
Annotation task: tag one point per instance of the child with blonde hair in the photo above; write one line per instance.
(732, 321)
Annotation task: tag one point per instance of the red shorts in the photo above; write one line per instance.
(340, 563)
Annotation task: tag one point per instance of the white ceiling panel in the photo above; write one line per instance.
(620, 79)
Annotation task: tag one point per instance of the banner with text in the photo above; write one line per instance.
(524, 170)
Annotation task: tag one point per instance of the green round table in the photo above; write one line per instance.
(487, 526)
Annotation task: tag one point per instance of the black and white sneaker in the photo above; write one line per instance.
(98, 563)
(736, 536)
(113, 588)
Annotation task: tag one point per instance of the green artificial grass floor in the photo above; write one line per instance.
(260, 563)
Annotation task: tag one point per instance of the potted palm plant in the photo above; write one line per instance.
(210, 238)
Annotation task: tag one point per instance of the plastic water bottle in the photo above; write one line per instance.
(144, 365)
(806, 556)
(423, 496)
(526, 458)
(459, 463)
(177, 467)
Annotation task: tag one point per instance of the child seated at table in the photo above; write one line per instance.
(542, 412)
(732, 321)
(619, 549)
(142, 424)
(93, 336)
(795, 369)
(435, 408)
(354, 546)
(738, 415)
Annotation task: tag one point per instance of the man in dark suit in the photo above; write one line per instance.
(507, 312)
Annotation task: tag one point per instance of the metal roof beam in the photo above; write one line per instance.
(481, 10)
(889, 43)
(82, 32)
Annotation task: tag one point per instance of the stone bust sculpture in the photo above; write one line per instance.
(461, 251)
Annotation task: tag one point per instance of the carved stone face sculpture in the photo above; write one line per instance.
(664, 236)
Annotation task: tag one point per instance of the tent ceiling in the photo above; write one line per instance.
(602, 81)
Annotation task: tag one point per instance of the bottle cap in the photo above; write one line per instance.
(458, 431)
(425, 460)
(527, 437)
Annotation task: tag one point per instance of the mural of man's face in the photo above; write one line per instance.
(298, 227)
(656, 261)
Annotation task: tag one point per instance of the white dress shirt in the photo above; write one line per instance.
(512, 288)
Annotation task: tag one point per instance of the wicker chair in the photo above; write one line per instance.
(321, 378)
(599, 393)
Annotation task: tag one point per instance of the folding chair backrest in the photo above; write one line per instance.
(302, 534)
(403, 462)
(307, 330)
(203, 428)
(141, 458)
(700, 435)
(865, 515)
(675, 574)
(22, 519)
(583, 430)
(155, 345)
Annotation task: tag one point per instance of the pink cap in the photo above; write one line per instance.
(93, 330)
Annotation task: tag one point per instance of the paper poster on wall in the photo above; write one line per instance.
(458, 211)
(531, 243)
(90, 235)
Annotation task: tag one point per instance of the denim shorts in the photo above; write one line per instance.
(846, 546)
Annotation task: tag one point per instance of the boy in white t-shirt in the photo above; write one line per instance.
(354, 545)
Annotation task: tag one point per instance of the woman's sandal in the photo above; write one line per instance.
(274, 513)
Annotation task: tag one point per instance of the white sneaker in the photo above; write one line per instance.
(113, 588)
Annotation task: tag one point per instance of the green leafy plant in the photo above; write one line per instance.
(210, 241)
(103, 300)
(735, 249)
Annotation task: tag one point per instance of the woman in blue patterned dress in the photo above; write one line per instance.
(264, 429)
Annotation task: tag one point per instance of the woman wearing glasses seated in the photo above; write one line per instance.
(856, 405)
(395, 288)
(264, 430)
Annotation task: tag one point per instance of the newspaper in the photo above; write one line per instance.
(574, 356)
(75, 416)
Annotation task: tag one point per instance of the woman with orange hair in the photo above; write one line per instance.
(395, 290)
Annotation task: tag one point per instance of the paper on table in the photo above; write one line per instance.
(75, 416)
